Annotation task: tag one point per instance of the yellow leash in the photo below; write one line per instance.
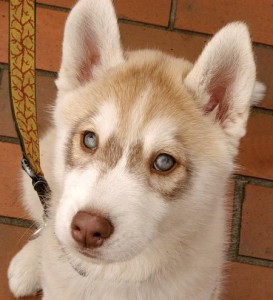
(22, 90)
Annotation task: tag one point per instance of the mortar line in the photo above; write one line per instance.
(53, 7)
(236, 218)
(9, 139)
(18, 222)
(1, 74)
(263, 110)
(238, 200)
(45, 73)
(142, 24)
(254, 261)
(172, 15)
(4, 66)
(254, 180)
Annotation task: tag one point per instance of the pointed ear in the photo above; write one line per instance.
(223, 79)
(91, 43)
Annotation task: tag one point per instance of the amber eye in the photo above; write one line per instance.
(90, 140)
(164, 162)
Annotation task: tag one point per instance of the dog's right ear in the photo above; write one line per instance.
(223, 81)
(91, 43)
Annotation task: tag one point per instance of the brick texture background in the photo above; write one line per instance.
(181, 28)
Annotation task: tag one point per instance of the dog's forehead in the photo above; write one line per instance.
(140, 121)
(141, 101)
(145, 103)
(134, 125)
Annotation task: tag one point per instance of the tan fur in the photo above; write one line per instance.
(166, 98)
(169, 227)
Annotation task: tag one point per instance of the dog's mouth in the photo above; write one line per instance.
(88, 253)
(78, 257)
(85, 254)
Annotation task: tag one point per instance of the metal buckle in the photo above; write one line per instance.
(39, 184)
(37, 233)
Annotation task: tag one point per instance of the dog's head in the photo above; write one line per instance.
(145, 142)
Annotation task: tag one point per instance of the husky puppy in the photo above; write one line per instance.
(138, 160)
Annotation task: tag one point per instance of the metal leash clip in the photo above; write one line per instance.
(37, 233)
(41, 187)
(39, 184)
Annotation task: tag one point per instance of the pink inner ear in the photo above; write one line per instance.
(90, 59)
(217, 99)
(86, 68)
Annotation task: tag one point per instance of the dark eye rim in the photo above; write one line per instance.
(163, 172)
(84, 146)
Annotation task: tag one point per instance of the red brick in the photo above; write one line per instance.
(4, 25)
(153, 12)
(12, 239)
(171, 42)
(50, 26)
(50, 30)
(208, 16)
(6, 123)
(10, 161)
(45, 95)
(190, 47)
(264, 61)
(256, 238)
(248, 282)
(59, 3)
(256, 151)
(148, 11)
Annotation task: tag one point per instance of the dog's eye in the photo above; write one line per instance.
(90, 140)
(164, 162)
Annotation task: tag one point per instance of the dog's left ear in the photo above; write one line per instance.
(223, 79)
(91, 43)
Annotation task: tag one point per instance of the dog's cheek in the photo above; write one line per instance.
(136, 225)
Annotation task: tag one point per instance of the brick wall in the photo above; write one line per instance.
(179, 27)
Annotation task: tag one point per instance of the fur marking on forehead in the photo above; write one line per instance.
(109, 155)
(160, 132)
(106, 120)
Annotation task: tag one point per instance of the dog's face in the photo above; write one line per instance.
(145, 141)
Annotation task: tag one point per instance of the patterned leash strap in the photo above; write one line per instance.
(22, 90)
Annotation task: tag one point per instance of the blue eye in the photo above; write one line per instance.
(164, 162)
(90, 140)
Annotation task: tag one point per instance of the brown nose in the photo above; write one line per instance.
(90, 230)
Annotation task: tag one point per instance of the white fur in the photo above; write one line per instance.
(258, 93)
(106, 120)
(160, 249)
(25, 270)
(94, 22)
(216, 67)
(158, 132)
